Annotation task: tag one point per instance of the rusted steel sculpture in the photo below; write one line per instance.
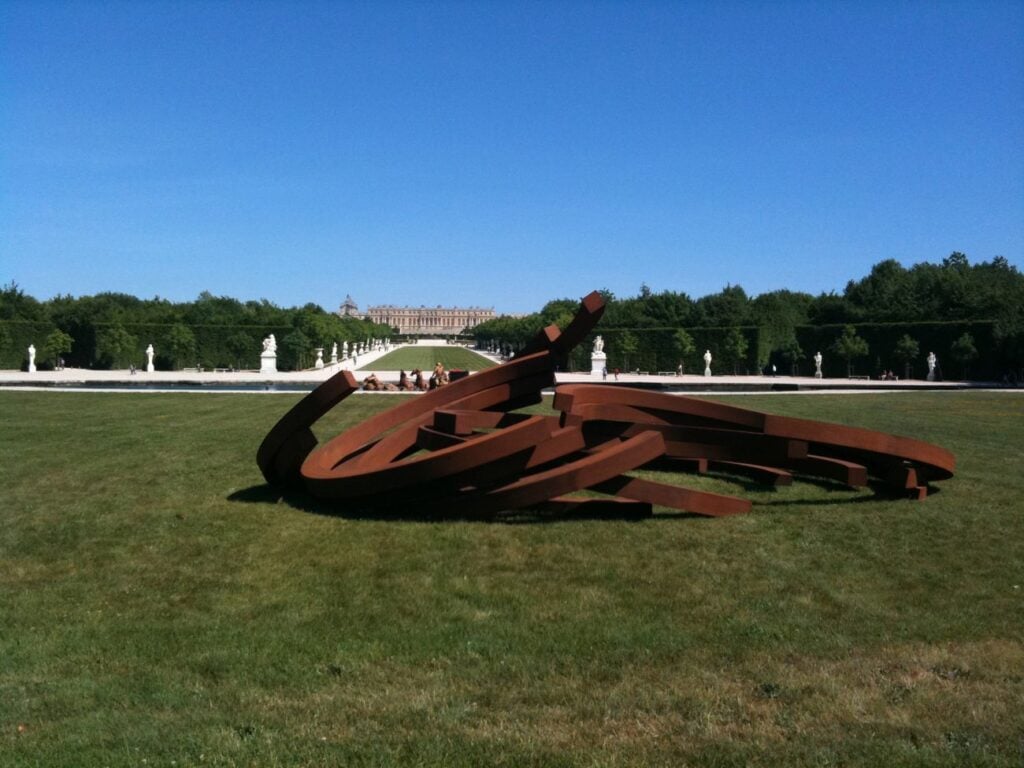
(462, 450)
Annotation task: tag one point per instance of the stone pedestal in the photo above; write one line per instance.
(268, 362)
(817, 374)
(598, 363)
(319, 364)
(707, 371)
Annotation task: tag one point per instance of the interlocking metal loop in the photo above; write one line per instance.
(462, 450)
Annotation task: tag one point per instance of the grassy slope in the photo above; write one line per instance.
(146, 615)
(425, 358)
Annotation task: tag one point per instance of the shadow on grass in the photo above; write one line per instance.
(267, 494)
(834, 493)
(879, 492)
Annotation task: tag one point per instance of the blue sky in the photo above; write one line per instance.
(502, 154)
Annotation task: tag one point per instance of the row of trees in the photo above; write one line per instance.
(850, 347)
(890, 319)
(112, 330)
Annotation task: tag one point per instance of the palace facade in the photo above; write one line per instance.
(429, 321)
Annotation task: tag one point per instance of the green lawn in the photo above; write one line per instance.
(425, 358)
(159, 607)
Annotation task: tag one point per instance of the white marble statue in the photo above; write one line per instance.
(817, 365)
(334, 353)
(149, 359)
(319, 364)
(344, 350)
(707, 362)
(598, 359)
(268, 357)
(31, 358)
(932, 362)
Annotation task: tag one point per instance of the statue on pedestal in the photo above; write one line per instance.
(334, 354)
(817, 365)
(932, 362)
(149, 359)
(319, 364)
(707, 362)
(268, 357)
(598, 359)
(31, 358)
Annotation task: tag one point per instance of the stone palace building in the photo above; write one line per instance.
(425, 321)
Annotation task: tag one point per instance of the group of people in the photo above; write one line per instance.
(888, 375)
(413, 382)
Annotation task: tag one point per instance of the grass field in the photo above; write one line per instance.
(425, 358)
(159, 607)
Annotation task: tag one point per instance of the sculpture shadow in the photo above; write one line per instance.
(297, 499)
(879, 492)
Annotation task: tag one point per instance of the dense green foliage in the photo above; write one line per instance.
(932, 305)
(850, 346)
(162, 607)
(112, 330)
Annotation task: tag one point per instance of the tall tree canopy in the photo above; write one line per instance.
(950, 291)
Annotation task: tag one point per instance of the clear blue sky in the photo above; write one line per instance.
(502, 154)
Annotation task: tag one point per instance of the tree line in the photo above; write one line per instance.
(970, 315)
(112, 330)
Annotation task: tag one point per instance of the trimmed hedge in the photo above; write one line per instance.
(16, 335)
(656, 350)
(217, 346)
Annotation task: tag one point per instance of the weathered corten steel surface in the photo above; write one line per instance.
(460, 450)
